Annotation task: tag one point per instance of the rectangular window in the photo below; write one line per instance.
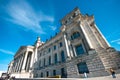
(54, 72)
(55, 47)
(39, 64)
(49, 50)
(49, 60)
(82, 67)
(55, 57)
(63, 75)
(44, 62)
(61, 44)
(62, 56)
(47, 73)
(79, 49)
(41, 74)
(40, 55)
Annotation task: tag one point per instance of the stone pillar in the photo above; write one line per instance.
(87, 38)
(23, 56)
(35, 58)
(24, 62)
(20, 63)
(16, 65)
(93, 43)
(52, 57)
(42, 62)
(71, 49)
(66, 46)
(31, 64)
(59, 56)
(75, 54)
(27, 63)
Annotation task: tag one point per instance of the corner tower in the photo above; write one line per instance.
(88, 45)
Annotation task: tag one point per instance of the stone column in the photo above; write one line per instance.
(23, 56)
(87, 38)
(16, 65)
(20, 63)
(59, 56)
(27, 63)
(24, 62)
(31, 64)
(35, 54)
(89, 35)
(52, 56)
(75, 54)
(66, 46)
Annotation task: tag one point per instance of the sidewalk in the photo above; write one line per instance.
(94, 78)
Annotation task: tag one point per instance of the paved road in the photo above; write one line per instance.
(95, 78)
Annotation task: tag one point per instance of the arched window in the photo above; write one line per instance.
(75, 35)
(62, 56)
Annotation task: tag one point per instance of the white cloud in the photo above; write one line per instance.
(53, 28)
(2, 72)
(23, 14)
(3, 68)
(6, 51)
(117, 40)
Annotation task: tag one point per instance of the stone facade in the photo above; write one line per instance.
(78, 49)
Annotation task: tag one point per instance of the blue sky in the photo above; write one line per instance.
(21, 21)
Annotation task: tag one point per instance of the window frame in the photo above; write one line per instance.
(78, 49)
(75, 35)
(82, 68)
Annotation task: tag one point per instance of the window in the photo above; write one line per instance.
(61, 44)
(47, 73)
(82, 67)
(55, 57)
(79, 49)
(40, 54)
(49, 60)
(49, 50)
(63, 75)
(36, 75)
(62, 56)
(54, 72)
(39, 64)
(55, 47)
(44, 62)
(41, 74)
(75, 35)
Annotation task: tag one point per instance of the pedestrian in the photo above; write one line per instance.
(85, 74)
(112, 72)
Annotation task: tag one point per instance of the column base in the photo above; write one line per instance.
(23, 70)
(68, 58)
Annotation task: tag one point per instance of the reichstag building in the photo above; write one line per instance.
(78, 49)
